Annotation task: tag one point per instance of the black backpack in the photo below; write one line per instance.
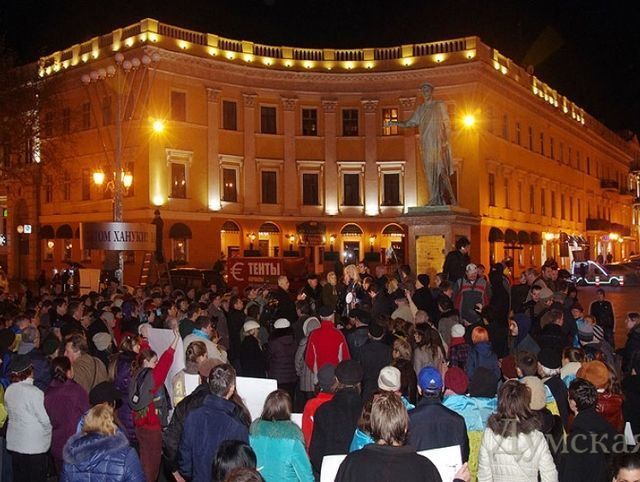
(141, 396)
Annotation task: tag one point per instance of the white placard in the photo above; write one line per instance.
(254, 391)
(159, 341)
(297, 419)
(330, 466)
(446, 459)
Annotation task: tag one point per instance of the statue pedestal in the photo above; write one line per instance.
(432, 233)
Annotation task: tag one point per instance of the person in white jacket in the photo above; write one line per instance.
(512, 448)
(29, 428)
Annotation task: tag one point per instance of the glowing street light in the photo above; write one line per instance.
(158, 126)
(469, 120)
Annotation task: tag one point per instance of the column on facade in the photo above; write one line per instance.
(371, 198)
(290, 193)
(330, 149)
(213, 151)
(407, 106)
(249, 172)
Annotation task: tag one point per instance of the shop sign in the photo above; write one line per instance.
(256, 271)
(118, 236)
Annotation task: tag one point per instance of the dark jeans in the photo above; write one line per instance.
(29, 468)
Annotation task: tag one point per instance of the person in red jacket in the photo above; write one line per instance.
(324, 392)
(149, 420)
(327, 344)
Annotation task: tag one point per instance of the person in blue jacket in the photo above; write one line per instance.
(100, 451)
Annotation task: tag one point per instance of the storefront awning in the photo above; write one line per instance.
(510, 237)
(496, 236)
(392, 229)
(180, 231)
(523, 237)
(351, 228)
(269, 228)
(47, 232)
(64, 232)
(230, 227)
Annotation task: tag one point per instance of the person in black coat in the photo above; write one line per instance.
(359, 335)
(583, 459)
(381, 304)
(281, 352)
(631, 390)
(335, 421)
(253, 361)
(456, 261)
(286, 307)
(500, 303)
(313, 293)
(374, 356)
(235, 321)
(631, 349)
(423, 298)
(431, 424)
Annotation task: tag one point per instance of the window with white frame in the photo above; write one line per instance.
(270, 174)
(351, 183)
(268, 124)
(179, 163)
(391, 183)
(310, 174)
(230, 178)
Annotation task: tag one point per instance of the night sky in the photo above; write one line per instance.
(587, 50)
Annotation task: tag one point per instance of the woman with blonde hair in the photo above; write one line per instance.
(186, 380)
(354, 288)
(401, 356)
(100, 451)
(330, 291)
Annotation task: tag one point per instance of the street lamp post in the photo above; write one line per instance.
(120, 72)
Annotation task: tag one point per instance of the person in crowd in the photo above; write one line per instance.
(582, 459)
(389, 459)
(513, 449)
(446, 318)
(481, 354)
(252, 358)
(362, 435)
(335, 421)
(359, 334)
(459, 349)
(374, 355)
(551, 335)
(500, 303)
(422, 296)
(431, 424)
(187, 379)
(470, 291)
(279, 443)
(353, 283)
(149, 400)
(30, 346)
(602, 310)
(631, 349)
(609, 397)
(313, 292)
(120, 371)
(88, 371)
(286, 308)
(235, 322)
(381, 304)
(403, 309)
(65, 402)
(572, 360)
(101, 451)
(281, 352)
(327, 344)
(626, 468)
(456, 261)
(306, 377)
(390, 380)
(204, 331)
(631, 391)
(429, 350)
(330, 292)
(232, 455)
(29, 428)
(520, 338)
(324, 391)
(401, 358)
(207, 426)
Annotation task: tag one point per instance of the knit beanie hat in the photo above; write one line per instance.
(595, 372)
(538, 394)
(456, 380)
(457, 331)
(508, 367)
(389, 379)
(585, 333)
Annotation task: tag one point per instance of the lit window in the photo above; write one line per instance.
(68, 248)
(229, 187)
(388, 115)
(179, 250)
(178, 180)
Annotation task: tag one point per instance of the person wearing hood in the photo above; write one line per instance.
(482, 354)
(520, 339)
(100, 451)
(281, 352)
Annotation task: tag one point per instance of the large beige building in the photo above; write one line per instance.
(283, 151)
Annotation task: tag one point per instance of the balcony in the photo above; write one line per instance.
(609, 185)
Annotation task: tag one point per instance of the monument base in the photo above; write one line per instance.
(432, 233)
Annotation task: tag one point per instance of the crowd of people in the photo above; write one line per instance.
(382, 364)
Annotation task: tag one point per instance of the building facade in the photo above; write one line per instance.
(252, 149)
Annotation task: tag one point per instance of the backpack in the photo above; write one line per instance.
(141, 396)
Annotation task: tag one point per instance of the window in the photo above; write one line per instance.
(178, 106)
(578, 161)
(351, 191)
(268, 120)
(68, 249)
(505, 127)
(350, 122)
(86, 184)
(553, 205)
(107, 118)
(310, 189)
(543, 202)
(570, 208)
(129, 171)
(391, 190)
(520, 196)
(532, 200)
(179, 250)
(269, 187)
(48, 189)
(490, 119)
(309, 122)
(563, 213)
(389, 115)
(86, 115)
(551, 148)
(230, 185)
(49, 244)
(542, 143)
(579, 210)
(492, 189)
(530, 138)
(518, 135)
(229, 115)
(66, 120)
(178, 180)
(588, 165)
(507, 194)
(66, 187)
(47, 125)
